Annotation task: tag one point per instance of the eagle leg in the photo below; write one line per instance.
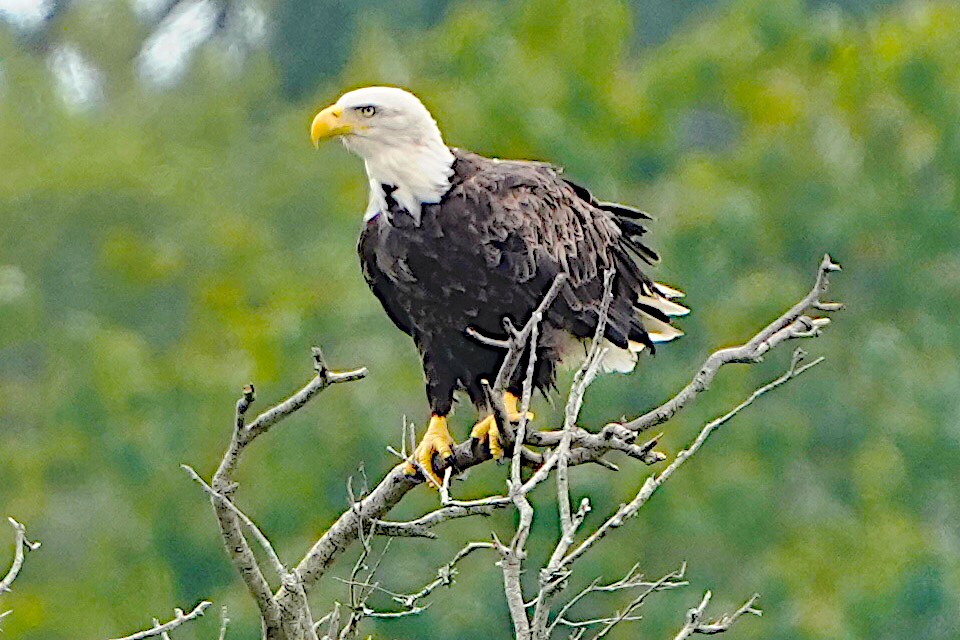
(436, 440)
(487, 430)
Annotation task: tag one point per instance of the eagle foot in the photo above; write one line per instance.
(487, 431)
(436, 440)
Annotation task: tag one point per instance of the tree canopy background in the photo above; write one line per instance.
(164, 241)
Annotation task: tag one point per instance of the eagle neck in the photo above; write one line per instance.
(416, 174)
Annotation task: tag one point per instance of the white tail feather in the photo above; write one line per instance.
(658, 330)
(618, 360)
(668, 307)
(667, 291)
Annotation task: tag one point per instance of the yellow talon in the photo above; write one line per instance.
(512, 404)
(487, 430)
(436, 440)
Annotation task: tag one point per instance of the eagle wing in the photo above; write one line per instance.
(533, 225)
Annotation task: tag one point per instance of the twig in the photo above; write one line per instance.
(626, 614)
(409, 601)
(179, 618)
(421, 527)
(694, 622)
(332, 620)
(20, 546)
(632, 580)
(224, 621)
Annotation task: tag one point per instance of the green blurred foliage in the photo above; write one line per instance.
(164, 248)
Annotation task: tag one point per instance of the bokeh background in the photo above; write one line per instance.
(168, 234)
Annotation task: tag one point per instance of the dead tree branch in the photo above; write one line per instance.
(653, 483)
(21, 546)
(792, 324)
(695, 622)
(554, 576)
(179, 618)
(289, 617)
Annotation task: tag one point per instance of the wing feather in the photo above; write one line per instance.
(533, 224)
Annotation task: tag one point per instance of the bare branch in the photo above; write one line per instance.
(396, 484)
(21, 545)
(411, 601)
(224, 621)
(223, 501)
(694, 622)
(653, 483)
(584, 376)
(792, 324)
(626, 614)
(420, 528)
(511, 558)
(179, 618)
(293, 610)
(550, 577)
(632, 580)
(511, 567)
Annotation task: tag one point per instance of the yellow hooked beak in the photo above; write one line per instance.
(327, 124)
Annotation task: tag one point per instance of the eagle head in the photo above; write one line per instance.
(399, 142)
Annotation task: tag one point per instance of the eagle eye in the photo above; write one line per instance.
(367, 110)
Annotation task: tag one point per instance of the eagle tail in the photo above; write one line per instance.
(655, 306)
(620, 360)
(655, 302)
(626, 218)
(653, 310)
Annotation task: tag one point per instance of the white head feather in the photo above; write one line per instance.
(399, 142)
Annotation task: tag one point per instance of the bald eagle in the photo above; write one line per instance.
(453, 240)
